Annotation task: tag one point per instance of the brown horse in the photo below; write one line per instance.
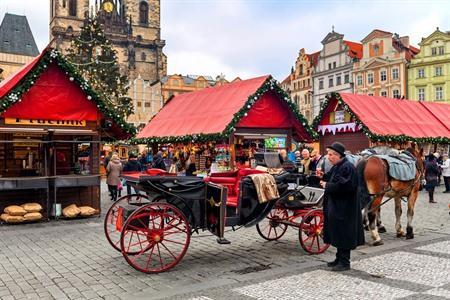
(374, 183)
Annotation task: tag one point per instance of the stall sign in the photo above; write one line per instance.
(339, 116)
(40, 122)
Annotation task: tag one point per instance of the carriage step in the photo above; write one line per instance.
(223, 241)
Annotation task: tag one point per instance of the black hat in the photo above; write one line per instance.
(338, 147)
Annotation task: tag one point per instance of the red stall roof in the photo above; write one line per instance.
(386, 116)
(440, 111)
(211, 110)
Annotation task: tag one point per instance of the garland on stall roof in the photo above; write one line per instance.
(269, 85)
(373, 136)
(53, 55)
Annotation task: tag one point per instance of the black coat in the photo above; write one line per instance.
(342, 212)
(132, 165)
(158, 163)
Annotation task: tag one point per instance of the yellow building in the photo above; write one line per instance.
(133, 27)
(429, 71)
(17, 45)
(173, 85)
(382, 70)
(300, 82)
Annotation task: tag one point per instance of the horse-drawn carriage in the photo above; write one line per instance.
(153, 230)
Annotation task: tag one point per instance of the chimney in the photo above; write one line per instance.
(405, 41)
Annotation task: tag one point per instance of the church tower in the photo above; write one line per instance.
(133, 27)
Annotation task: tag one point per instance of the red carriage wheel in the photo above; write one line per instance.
(155, 237)
(311, 232)
(113, 220)
(270, 227)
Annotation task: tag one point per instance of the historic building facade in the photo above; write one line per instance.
(429, 70)
(133, 27)
(382, 70)
(17, 45)
(333, 70)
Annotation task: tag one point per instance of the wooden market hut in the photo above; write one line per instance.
(51, 125)
(361, 121)
(247, 109)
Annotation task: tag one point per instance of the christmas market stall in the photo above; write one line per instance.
(229, 122)
(362, 121)
(442, 112)
(51, 126)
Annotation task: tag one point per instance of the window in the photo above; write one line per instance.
(370, 94)
(329, 66)
(370, 78)
(301, 70)
(147, 104)
(359, 80)
(376, 48)
(439, 93)
(139, 104)
(143, 56)
(330, 81)
(420, 73)
(334, 65)
(346, 78)
(441, 50)
(338, 80)
(438, 71)
(73, 8)
(421, 94)
(320, 84)
(143, 13)
(383, 93)
(395, 73)
(396, 94)
(383, 75)
(433, 51)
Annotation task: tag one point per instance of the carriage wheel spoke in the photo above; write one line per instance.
(172, 241)
(162, 244)
(159, 254)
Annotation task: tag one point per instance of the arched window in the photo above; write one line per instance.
(73, 8)
(143, 56)
(143, 13)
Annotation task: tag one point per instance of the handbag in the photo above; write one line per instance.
(120, 186)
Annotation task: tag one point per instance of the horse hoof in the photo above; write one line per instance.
(410, 236)
(378, 243)
(381, 229)
(400, 234)
(409, 233)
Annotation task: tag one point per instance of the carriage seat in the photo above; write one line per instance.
(159, 172)
(232, 182)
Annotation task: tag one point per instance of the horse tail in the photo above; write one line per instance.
(362, 192)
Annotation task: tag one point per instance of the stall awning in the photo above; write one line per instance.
(393, 119)
(215, 112)
(440, 110)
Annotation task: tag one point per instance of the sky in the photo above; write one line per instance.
(249, 38)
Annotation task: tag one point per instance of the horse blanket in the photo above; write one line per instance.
(401, 167)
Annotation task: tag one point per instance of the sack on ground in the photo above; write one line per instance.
(71, 211)
(32, 207)
(32, 216)
(12, 219)
(87, 211)
(15, 210)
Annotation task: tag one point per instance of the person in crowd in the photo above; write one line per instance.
(107, 159)
(431, 176)
(343, 226)
(439, 161)
(190, 165)
(315, 157)
(158, 162)
(306, 160)
(446, 172)
(113, 172)
(286, 163)
(132, 165)
(174, 165)
(143, 160)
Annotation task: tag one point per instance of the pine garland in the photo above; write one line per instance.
(54, 56)
(401, 138)
(269, 85)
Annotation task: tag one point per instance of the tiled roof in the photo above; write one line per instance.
(16, 36)
(314, 58)
(354, 49)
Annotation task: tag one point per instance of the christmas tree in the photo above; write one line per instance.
(92, 53)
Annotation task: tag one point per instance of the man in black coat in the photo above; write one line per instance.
(343, 227)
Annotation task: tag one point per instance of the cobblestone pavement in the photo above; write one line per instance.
(72, 260)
